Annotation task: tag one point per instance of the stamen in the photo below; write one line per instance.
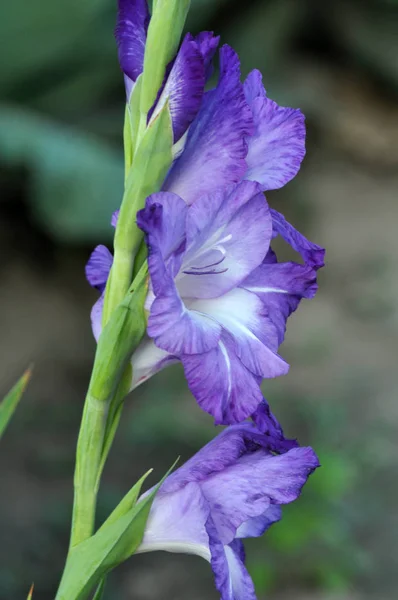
(212, 272)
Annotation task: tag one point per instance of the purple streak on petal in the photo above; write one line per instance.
(173, 327)
(207, 44)
(253, 334)
(232, 580)
(267, 423)
(280, 287)
(256, 526)
(253, 86)
(312, 254)
(215, 150)
(276, 149)
(221, 384)
(230, 228)
(249, 487)
(131, 31)
(184, 87)
(98, 267)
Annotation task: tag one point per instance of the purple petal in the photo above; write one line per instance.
(163, 222)
(224, 450)
(256, 526)
(277, 147)
(249, 487)
(179, 330)
(228, 234)
(98, 267)
(312, 254)
(221, 384)
(184, 87)
(231, 577)
(280, 287)
(253, 86)
(215, 150)
(115, 217)
(176, 523)
(147, 360)
(267, 423)
(207, 44)
(96, 317)
(253, 334)
(131, 32)
(173, 327)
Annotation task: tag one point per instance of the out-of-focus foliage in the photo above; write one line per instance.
(61, 89)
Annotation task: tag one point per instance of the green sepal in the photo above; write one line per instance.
(127, 142)
(117, 539)
(164, 34)
(119, 339)
(152, 160)
(131, 126)
(11, 400)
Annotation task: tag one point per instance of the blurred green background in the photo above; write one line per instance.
(61, 176)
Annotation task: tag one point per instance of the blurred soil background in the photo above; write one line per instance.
(61, 176)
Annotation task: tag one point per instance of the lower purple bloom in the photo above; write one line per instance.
(233, 488)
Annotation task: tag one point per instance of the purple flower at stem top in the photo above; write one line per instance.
(232, 489)
(186, 75)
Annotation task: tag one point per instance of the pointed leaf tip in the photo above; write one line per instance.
(11, 400)
(31, 589)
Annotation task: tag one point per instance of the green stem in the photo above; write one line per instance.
(109, 384)
(89, 451)
(119, 280)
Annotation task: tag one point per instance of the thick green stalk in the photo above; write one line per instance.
(108, 384)
(88, 459)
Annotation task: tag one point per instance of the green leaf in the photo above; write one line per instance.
(10, 402)
(30, 595)
(164, 34)
(117, 539)
(128, 501)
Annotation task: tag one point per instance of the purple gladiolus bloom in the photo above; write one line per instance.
(218, 298)
(231, 489)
